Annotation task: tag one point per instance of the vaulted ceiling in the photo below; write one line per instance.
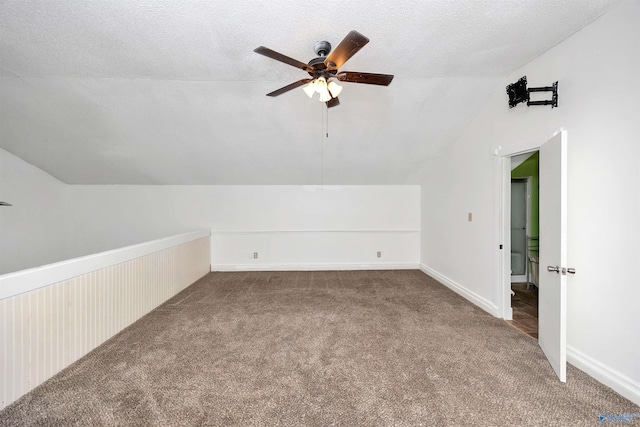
(171, 92)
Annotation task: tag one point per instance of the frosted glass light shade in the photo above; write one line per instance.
(320, 85)
(334, 88)
(324, 96)
(309, 89)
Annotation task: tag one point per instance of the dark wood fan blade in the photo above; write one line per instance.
(282, 58)
(348, 47)
(368, 78)
(333, 102)
(289, 87)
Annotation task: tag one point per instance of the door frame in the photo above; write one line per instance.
(502, 215)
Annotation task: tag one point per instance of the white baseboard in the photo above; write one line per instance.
(604, 374)
(476, 299)
(315, 267)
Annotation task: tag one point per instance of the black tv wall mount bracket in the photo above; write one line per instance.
(518, 93)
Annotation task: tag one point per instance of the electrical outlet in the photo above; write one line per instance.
(379, 254)
(255, 255)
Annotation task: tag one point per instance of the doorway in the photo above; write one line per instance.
(552, 278)
(524, 216)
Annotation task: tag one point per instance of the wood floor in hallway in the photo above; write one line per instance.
(525, 309)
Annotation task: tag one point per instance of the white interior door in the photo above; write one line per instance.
(552, 294)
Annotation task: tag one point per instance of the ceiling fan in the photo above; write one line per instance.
(324, 69)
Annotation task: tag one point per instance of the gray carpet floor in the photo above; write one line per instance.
(351, 348)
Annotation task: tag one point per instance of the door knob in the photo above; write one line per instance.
(571, 270)
(551, 268)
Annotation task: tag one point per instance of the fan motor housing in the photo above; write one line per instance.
(322, 49)
(319, 69)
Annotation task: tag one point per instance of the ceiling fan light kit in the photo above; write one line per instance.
(325, 67)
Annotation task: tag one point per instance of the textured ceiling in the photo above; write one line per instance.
(171, 92)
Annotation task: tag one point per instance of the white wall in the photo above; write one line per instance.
(599, 106)
(32, 231)
(291, 227)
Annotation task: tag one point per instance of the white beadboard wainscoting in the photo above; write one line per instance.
(315, 249)
(45, 327)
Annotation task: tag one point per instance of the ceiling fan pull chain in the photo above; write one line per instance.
(327, 134)
(322, 131)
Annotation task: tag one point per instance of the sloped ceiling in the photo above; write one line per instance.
(171, 92)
